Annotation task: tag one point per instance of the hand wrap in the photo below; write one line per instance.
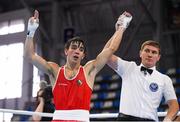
(123, 21)
(32, 26)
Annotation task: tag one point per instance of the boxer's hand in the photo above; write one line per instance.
(33, 24)
(123, 20)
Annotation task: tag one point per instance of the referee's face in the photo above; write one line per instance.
(149, 56)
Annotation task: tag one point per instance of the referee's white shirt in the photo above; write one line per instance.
(141, 94)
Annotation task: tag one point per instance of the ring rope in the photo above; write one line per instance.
(100, 115)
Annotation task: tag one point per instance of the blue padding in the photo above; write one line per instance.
(98, 104)
(116, 103)
(177, 90)
(161, 110)
(118, 94)
(107, 77)
(104, 86)
(102, 95)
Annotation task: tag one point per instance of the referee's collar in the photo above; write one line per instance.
(153, 68)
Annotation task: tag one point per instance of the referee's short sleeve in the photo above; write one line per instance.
(169, 92)
(122, 66)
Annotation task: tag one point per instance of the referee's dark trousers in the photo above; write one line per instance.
(124, 117)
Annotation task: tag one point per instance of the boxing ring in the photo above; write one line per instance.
(92, 116)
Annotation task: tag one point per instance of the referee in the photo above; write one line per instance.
(143, 86)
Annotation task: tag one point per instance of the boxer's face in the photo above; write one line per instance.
(75, 52)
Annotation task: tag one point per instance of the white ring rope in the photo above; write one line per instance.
(22, 112)
(100, 115)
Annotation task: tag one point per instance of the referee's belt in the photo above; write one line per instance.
(124, 117)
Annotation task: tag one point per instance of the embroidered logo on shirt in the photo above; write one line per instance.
(79, 82)
(153, 87)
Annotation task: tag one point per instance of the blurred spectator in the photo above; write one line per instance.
(44, 102)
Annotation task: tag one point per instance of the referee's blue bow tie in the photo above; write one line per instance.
(146, 70)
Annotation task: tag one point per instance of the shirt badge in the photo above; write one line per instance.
(79, 82)
(153, 87)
